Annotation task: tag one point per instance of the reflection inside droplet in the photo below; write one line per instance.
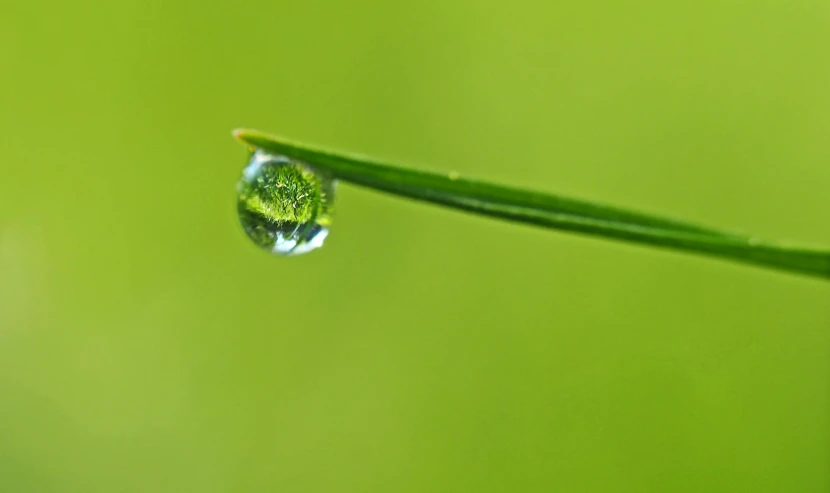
(284, 206)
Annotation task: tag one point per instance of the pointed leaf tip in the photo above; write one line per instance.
(239, 134)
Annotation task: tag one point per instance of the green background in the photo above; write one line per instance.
(147, 345)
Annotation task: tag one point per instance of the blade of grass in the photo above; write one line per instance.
(547, 210)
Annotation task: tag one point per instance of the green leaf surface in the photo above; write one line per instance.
(551, 211)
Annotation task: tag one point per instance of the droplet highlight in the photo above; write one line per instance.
(284, 205)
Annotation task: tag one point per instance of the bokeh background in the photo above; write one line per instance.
(147, 345)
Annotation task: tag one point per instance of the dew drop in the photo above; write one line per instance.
(284, 206)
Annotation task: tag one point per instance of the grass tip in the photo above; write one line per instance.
(239, 134)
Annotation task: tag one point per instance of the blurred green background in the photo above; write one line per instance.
(147, 345)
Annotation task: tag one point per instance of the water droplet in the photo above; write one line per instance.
(284, 206)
